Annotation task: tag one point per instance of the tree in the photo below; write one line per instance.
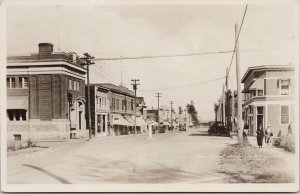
(193, 113)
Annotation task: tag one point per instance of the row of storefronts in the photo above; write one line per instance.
(46, 100)
(113, 111)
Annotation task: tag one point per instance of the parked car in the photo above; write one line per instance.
(217, 128)
(182, 128)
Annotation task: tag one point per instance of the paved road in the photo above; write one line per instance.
(190, 157)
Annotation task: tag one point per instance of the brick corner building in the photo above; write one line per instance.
(45, 96)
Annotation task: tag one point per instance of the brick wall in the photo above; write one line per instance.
(57, 96)
(48, 96)
(33, 99)
(45, 97)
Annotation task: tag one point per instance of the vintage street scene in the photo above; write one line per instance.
(151, 94)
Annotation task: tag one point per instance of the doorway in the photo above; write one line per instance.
(260, 116)
(80, 115)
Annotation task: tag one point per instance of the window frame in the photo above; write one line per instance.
(280, 86)
(70, 84)
(288, 114)
(18, 115)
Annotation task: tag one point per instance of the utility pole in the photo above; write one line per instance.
(232, 111)
(171, 115)
(238, 81)
(185, 116)
(88, 61)
(179, 112)
(224, 106)
(225, 100)
(135, 84)
(158, 95)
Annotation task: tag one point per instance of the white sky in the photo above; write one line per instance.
(267, 38)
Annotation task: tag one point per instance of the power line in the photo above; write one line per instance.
(183, 86)
(161, 56)
(237, 39)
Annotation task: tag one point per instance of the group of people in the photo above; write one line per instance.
(262, 134)
(266, 134)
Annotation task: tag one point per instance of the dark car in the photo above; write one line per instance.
(217, 128)
(182, 128)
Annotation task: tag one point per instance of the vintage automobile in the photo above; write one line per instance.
(182, 128)
(217, 128)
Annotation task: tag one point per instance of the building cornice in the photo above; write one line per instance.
(11, 65)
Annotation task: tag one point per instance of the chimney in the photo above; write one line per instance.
(45, 50)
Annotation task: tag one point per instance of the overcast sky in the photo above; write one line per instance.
(267, 38)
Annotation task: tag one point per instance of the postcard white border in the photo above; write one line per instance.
(293, 187)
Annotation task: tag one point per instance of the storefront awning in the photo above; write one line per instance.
(17, 102)
(119, 120)
(140, 122)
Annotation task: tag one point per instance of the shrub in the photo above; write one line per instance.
(286, 142)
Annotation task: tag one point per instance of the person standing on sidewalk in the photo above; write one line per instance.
(245, 131)
(269, 135)
(260, 136)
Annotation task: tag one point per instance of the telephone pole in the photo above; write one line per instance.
(238, 81)
(135, 84)
(158, 95)
(88, 61)
(225, 99)
(185, 116)
(171, 115)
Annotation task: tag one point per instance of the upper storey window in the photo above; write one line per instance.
(284, 87)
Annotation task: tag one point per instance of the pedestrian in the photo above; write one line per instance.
(269, 135)
(260, 135)
(245, 131)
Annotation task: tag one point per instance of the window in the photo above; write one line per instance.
(20, 83)
(97, 100)
(284, 86)
(70, 84)
(16, 114)
(17, 137)
(113, 103)
(74, 85)
(8, 82)
(284, 115)
(123, 104)
(10, 115)
(118, 104)
(260, 110)
(25, 82)
(78, 85)
(100, 102)
(260, 92)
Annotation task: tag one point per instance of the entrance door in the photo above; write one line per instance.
(260, 116)
(80, 114)
(103, 124)
(99, 120)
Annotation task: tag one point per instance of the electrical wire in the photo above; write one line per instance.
(183, 86)
(161, 56)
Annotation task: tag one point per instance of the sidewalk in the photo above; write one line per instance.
(250, 164)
